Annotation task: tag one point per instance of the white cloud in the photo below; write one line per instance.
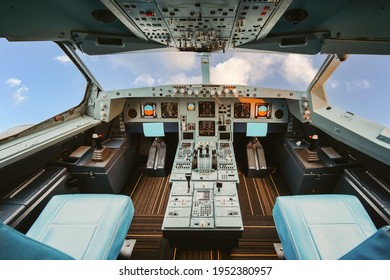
(298, 69)
(179, 61)
(334, 84)
(18, 96)
(233, 71)
(13, 82)
(144, 80)
(63, 59)
(362, 84)
(160, 61)
(256, 69)
(182, 78)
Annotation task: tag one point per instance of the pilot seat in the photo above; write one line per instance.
(328, 227)
(78, 226)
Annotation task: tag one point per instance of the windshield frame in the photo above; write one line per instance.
(78, 109)
(359, 133)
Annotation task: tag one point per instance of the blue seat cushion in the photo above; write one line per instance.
(85, 226)
(16, 246)
(321, 226)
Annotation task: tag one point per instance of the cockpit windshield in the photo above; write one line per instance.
(361, 85)
(284, 71)
(37, 82)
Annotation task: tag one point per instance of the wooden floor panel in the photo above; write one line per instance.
(257, 197)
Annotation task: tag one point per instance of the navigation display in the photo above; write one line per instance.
(206, 109)
(169, 110)
(242, 110)
(206, 128)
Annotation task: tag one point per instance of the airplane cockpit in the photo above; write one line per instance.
(202, 165)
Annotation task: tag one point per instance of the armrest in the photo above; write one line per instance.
(376, 247)
(16, 246)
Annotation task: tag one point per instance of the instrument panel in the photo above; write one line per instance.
(266, 109)
(212, 118)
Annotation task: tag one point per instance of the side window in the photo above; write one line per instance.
(37, 82)
(361, 85)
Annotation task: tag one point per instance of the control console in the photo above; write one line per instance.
(204, 196)
(205, 160)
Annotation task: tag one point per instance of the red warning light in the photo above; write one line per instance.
(150, 13)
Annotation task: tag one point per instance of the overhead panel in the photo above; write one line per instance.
(201, 26)
(251, 18)
(147, 16)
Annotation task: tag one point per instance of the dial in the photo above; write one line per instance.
(242, 110)
(190, 106)
(191, 126)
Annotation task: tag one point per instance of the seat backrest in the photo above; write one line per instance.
(376, 247)
(16, 246)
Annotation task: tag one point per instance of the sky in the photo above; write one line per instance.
(30, 93)
(148, 69)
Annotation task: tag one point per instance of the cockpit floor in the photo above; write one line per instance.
(257, 197)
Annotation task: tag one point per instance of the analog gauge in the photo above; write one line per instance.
(132, 113)
(190, 106)
(191, 126)
(169, 110)
(242, 110)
